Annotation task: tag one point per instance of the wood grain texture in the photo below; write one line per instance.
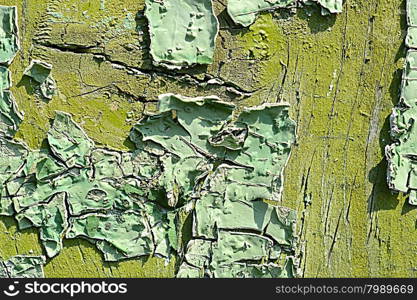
(341, 75)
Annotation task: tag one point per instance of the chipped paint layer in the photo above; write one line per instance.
(226, 163)
(183, 32)
(246, 12)
(195, 150)
(9, 39)
(10, 116)
(77, 190)
(402, 156)
(40, 73)
(22, 267)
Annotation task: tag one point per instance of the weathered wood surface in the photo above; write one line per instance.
(340, 73)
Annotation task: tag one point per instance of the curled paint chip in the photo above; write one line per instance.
(401, 155)
(332, 6)
(183, 32)
(68, 141)
(22, 267)
(10, 116)
(9, 40)
(51, 218)
(245, 12)
(40, 72)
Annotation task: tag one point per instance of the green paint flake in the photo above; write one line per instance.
(68, 141)
(245, 12)
(5, 79)
(40, 72)
(125, 235)
(411, 13)
(333, 6)
(77, 190)
(9, 40)
(183, 32)
(401, 155)
(12, 155)
(10, 116)
(51, 218)
(22, 267)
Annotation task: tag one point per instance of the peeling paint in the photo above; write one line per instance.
(226, 181)
(9, 39)
(40, 72)
(10, 116)
(102, 162)
(22, 267)
(246, 12)
(77, 190)
(183, 32)
(402, 157)
(195, 150)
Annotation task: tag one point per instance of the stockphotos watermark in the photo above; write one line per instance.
(71, 289)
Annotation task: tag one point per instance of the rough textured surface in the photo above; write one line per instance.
(22, 267)
(40, 73)
(116, 200)
(246, 12)
(402, 155)
(9, 39)
(225, 164)
(71, 189)
(340, 73)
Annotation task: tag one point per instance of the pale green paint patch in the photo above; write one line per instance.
(183, 32)
(69, 142)
(12, 156)
(10, 116)
(22, 267)
(40, 72)
(51, 218)
(127, 234)
(9, 39)
(332, 6)
(246, 12)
